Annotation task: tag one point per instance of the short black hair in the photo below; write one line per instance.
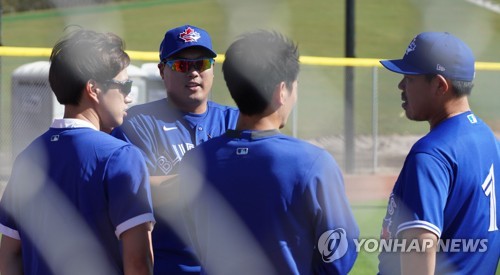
(461, 88)
(80, 56)
(255, 64)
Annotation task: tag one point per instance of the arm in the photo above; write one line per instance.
(137, 250)
(419, 262)
(130, 208)
(159, 180)
(10, 256)
(161, 189)
(333, 218)
(426, 180)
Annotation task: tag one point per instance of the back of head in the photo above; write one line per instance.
(255, 64)
(80, 56)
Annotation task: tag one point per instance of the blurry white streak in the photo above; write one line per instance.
(226, 245)
(244, 15)
(486, 4)
(67, 245)
(473, 25)
(109, 21)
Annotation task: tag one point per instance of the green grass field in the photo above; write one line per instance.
(383, 30)
(369, 217)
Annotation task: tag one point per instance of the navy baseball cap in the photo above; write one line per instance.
(184, 37)
(435, 53)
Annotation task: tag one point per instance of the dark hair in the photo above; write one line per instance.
(461, 88)
(254, 64)
(83, 55)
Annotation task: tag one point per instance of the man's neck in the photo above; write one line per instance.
(450, 109)
(87, 114)
(195, 108)
(257, 122)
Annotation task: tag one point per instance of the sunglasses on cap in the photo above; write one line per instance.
(125, 87)
(184, 65)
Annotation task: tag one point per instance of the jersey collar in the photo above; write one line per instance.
(251, 134)
(71, 123)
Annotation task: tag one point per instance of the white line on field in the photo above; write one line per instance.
(486, 4)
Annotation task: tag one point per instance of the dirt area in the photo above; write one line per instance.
(369, 182)
(371, 179)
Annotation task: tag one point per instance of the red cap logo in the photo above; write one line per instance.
(189, 35)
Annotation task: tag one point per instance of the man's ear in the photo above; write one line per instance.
(443, 84)
(161, 67)
(91, 90)
(279, 97)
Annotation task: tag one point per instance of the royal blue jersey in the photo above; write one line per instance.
(447, 186)
(260, 202)
(164, 135)
(72, 192)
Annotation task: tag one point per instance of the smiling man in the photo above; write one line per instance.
(166, 129)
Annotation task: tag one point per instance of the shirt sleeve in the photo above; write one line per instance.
(127, 182)
(8, 225)
(424, 193)
(334, 226)
(9, 203)
(132, 132)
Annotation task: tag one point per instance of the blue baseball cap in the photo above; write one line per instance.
(184, 37)
(435, 53)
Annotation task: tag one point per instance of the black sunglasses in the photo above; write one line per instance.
(125, 86)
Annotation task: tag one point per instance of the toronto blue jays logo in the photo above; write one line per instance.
(169, 160)
(411, 47)
(189, 35)
(391, 208)
(333, 245)
(386, 232)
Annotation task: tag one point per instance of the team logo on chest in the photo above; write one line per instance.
(171, 158)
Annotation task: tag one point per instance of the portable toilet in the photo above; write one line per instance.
(155, 89)
(33, 104)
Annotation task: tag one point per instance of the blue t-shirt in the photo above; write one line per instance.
(164, 135)
(72, 193)
(447, 187)
(260, 202)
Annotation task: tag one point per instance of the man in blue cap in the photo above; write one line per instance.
(442, 212)
(166, 129)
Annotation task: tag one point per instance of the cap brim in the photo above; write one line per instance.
(400, 67)
(192, 46)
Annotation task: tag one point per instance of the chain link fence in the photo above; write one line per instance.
(383, 135)
(28, 106)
